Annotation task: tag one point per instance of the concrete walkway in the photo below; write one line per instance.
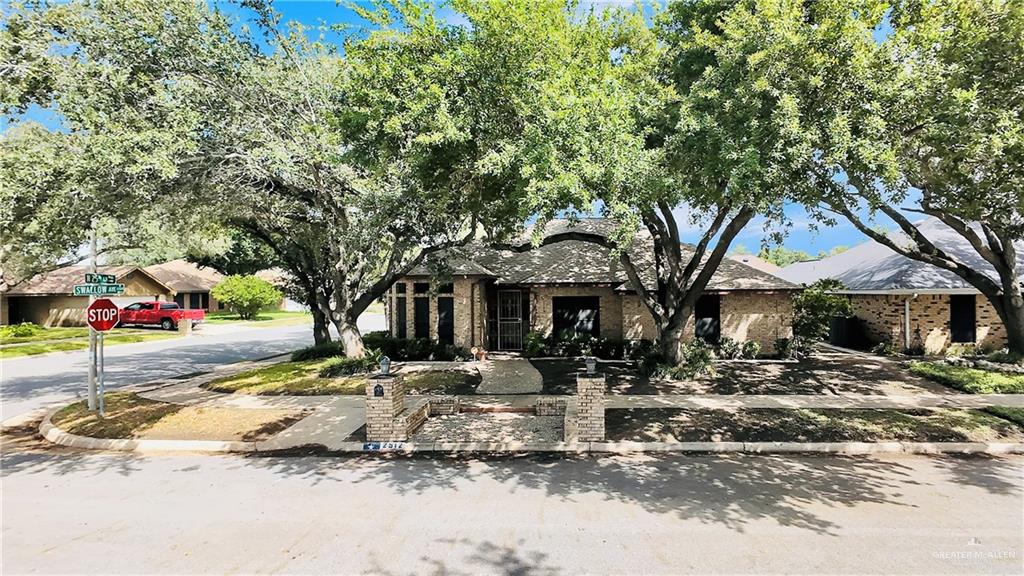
(513, 376)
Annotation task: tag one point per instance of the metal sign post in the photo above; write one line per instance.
(92, 331)
(102, 387)
(102, 315)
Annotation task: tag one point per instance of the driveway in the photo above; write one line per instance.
(526, 515)
(34, 382)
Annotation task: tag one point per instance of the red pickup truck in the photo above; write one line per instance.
(163, 314)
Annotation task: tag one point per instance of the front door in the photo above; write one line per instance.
(510, 320)
(708, 318)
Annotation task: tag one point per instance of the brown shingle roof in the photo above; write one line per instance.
(184, 276)
(580, 262)
(63, 280)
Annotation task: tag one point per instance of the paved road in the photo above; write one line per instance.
(668, 514)
(33, 382)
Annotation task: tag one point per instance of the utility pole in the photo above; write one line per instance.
(92, 333)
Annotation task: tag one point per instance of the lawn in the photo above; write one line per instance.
(825, 425)
(115, 338)
(127, 414)
(970, 380)
(43, 334)
(266, 318)
(302, 379)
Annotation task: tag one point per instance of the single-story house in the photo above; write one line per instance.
(495, 297)
(897, 298)
(191, 283)
(49, 300)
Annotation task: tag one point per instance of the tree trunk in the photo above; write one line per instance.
(351, 339)
(321, 326)
(1010, 308)
(670, 336)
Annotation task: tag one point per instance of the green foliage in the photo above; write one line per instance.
(970, 380)
(698, 360)
(782, 256)
(246, 295)
(1004, 356)
(786, 348)
(343, 366)
(414, 349)
(245, 254)
(960, 350)
(884, 348)
(534, 345)
(318, 351)
(750, 350)
(729, 348)
(22, 330)
(815, 307)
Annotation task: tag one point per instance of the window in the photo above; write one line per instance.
(400, 288)
(194, 301)
(962, 320)
(401, 314)
(180, 299)
(204, 300)
(446, 320)
(170, 306)
(145, 306)
(421, 287)
(448, 288)
(421, 317)
(576, 316)
(707, 314)
(133, 307)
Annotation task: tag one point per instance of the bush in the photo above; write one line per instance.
(246, 295)
(786, 348)
(343, 366)
(535, 345)
(961, 350)
(413, 349)
(699, 357)
(1004, 357)
(814, 308)
(22, 330)
(645, 354)
(325, 350)
(750, 350)
(884, 349)
(729, 348)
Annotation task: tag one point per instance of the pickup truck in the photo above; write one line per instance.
(167, 315)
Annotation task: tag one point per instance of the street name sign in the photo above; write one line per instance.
(102, 315)
(98, 289)
(93, 278)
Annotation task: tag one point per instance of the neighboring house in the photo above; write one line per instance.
(495, 298)
(280, 279)
(756, 262)
(898, 298)
(191, 283)
(48, 300)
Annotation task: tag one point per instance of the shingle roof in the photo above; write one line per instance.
(873, 267)
(63, 280)
(184, 276)
(580, 262)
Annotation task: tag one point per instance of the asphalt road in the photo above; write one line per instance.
(667, 514)
(37, 381)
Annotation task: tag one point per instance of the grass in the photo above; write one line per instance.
(127, 414)
(302, 379)
(970, 380)
(34, 349)
(46, 334)
(266, 318)
(1015, 415)
(825, 425)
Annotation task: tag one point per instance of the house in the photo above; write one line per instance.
(756, 262)
(48, 299)
(191, 283)
(898, 299)
(495, 298)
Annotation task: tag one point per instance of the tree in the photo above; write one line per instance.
(814, 308)
(422, 133)
(782, 256)
(701, 112)
(244, 254)
(246, 295)
(929, 121)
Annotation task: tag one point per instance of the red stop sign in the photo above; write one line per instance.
(102, 315)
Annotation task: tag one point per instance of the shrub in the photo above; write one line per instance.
(645, 354)
(246, 295)
(535, 345)
(413, 349)
(750, 350)
(729, 348)
(325, 350)
(814, 308)
(342, 366)
(22, 330)
(961, 350)
(885, 348)
(786, 348)
(698, 357)
(1004, 356)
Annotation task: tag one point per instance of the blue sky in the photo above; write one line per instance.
(317, 13)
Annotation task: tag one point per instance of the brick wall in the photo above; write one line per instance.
(464, 290)
(883, 316)
(590, 408)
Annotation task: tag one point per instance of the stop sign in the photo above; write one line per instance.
(102, 315)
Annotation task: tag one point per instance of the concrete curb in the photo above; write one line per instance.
(54, 434)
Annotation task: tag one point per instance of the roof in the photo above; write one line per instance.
(874, 267)
(184, 276)
(62, 281)
(581, 262)
(756, 262)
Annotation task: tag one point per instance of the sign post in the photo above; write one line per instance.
(102, 315)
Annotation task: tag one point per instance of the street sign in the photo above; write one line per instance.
(98, 289)
(92, 278)
(102, 315)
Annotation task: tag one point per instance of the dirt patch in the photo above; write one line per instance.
(126, 415)
(826, 425)
(501, 427)
(225, 424)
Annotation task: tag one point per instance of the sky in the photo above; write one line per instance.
(314, 14)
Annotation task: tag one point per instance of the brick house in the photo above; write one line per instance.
(495, 298)
(898, 299)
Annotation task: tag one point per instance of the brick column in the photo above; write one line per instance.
(385, 400)
(590, 402)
